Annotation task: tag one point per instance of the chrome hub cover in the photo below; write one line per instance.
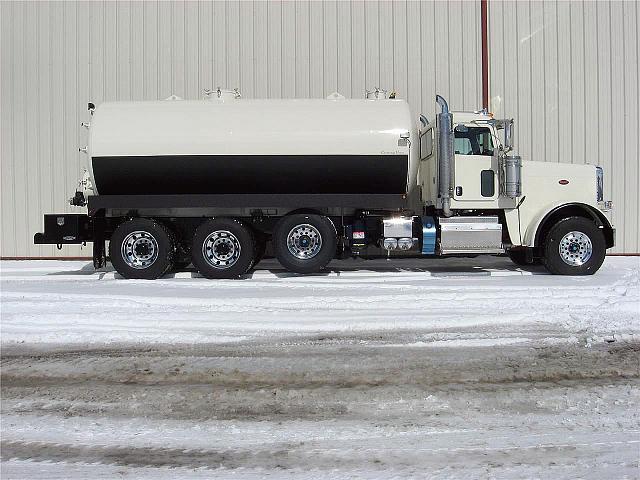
(221, 249)
(139, 250)
(304, 241)
(575, 249)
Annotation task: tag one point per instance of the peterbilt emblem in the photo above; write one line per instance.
(60, 221)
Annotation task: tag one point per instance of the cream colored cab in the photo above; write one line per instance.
(476, 166)
(559, 207)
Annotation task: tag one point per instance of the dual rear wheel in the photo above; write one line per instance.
(222, 247)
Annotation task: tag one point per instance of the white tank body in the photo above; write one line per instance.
(253, 146)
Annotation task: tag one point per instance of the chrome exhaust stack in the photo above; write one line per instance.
(445, 155)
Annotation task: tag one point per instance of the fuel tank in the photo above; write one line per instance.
(235, 145)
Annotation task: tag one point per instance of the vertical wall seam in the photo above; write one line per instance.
(25, 96)
(309, 69)
(364, 26)
(598, 77)
(624, 129)
(50, 101)
(323, 52)
(131, 58)
(544, 75)
(158, 49)
(584, 76)
(435, 46)
(335, 4)
(239, 59)
(611, 132)
(529, 42)
(351, 49)
(38, 132)
(64, 103)
(104, 50)
(448, 26)
(13, 7)
(117, 48)
(557, 86)
(379, 47)
(282, 57)
(571, 143)
(185, 72)
(464, 35)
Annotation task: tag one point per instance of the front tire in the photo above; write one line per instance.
(141, 248)
(574, 246)
(222, 248)
(305, 243)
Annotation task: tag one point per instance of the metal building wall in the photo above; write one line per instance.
(57, 56)
(568, 73)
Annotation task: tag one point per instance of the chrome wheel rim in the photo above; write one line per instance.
(139, 250)
(221, 249)
(575, 249)
(304, 241)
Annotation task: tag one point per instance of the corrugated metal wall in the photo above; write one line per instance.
(568, 73)
(58, 56)
(55, 57)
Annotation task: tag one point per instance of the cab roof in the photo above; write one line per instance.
(464, 117)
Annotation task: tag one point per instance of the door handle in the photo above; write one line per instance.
(458, 191)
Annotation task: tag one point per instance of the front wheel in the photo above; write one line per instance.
(574, 246)
(305, 243)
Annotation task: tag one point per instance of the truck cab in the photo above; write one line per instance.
(529, 198)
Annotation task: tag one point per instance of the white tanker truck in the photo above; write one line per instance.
(220, 181)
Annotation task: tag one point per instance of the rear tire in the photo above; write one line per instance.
(305, 243)
(222, 248)
(574, 246)
(142, 248)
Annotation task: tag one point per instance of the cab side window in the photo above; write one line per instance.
(463, 146)
(426, 144)
(473, 141)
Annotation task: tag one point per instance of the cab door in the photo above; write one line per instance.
(475, 166)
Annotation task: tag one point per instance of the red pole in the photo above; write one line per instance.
(485, 53)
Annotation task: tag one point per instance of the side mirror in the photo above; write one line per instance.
(508, 135)
(462, 128)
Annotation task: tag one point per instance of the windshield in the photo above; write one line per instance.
(473, 141)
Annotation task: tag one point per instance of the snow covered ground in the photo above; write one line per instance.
(459, 368)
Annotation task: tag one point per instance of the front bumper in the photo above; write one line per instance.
(605, 208)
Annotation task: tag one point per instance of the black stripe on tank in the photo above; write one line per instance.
(250, 174)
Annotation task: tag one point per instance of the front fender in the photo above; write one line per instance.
(537, 222)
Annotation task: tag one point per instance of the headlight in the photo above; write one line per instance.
(599, 184)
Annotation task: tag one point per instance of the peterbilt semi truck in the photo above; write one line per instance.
(220, 181)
